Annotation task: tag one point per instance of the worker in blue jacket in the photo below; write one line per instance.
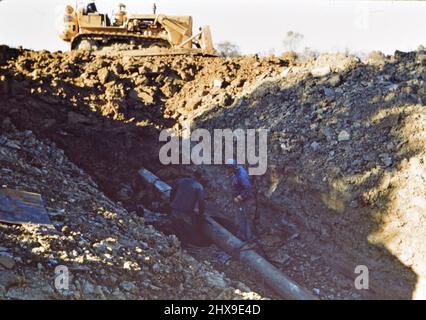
(244, 200)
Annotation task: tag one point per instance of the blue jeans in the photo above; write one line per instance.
(244, 216)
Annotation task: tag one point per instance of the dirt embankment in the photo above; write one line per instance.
(345, 184)
(346, 162)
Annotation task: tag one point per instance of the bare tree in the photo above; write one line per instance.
(228, 49)
(292, 40)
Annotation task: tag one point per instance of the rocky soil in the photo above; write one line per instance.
(110, 254)
(345, 179)
(346, 165)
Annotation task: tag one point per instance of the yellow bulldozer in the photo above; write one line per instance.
(144, 34)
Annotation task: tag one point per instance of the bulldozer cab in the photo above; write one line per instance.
(90, 8)
(89, 17)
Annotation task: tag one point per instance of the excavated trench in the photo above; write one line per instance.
(110, 150)
(116, 174)
(94, 109)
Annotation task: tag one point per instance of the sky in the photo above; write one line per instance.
(256, 26)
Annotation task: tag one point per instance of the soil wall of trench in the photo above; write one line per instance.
(346, 162)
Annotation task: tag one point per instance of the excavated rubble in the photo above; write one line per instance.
(345, 179)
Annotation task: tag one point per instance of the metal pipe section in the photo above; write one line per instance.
(280, 283)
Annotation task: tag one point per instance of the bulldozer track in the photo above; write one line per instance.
(102, 36)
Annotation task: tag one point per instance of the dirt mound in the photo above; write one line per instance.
(130, 88)
(100, 110)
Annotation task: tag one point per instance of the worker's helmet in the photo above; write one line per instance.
(231, 162)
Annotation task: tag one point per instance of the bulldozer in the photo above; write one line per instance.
(143, 34)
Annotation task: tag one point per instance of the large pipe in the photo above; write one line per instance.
(280, 283)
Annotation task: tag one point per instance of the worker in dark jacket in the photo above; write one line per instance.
(244, 200)
(187, 206)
